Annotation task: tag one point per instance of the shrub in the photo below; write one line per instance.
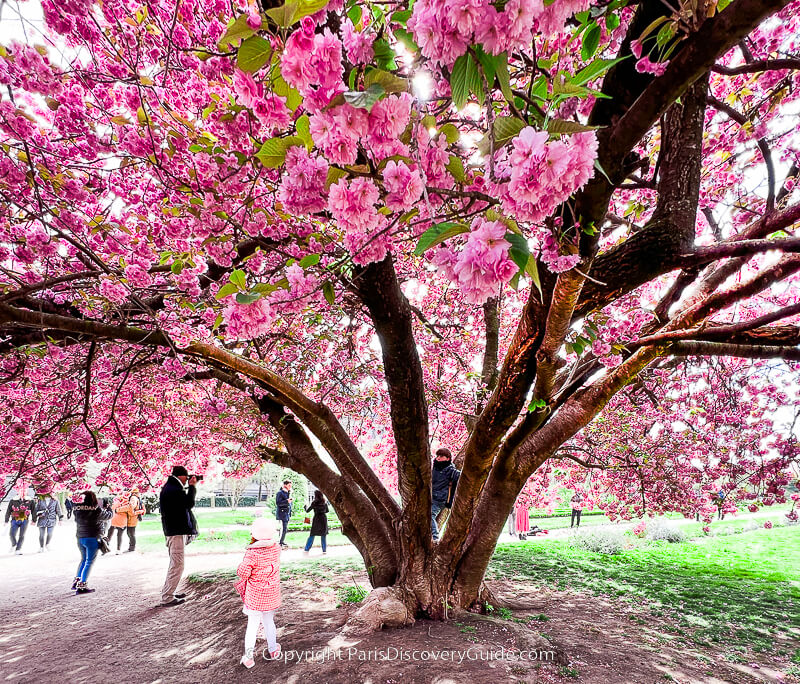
(661, 530)
(608, 541)
(352, 593)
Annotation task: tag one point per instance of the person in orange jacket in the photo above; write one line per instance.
(119, 521)
(136, 509)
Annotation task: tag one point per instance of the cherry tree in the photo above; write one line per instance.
(334, 234)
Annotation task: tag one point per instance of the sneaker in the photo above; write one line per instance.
(18, 553)
(75, 583)
(174, 602)
(180, 596)
(13, 549)
(324, 553)
(305, 553)
(41, 549)
(247, 659)
(118, 552)
(47, 548)
(82, 588)
(273, 655)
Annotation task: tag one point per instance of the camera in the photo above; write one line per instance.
(199, 478)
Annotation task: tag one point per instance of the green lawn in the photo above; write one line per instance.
(740, 590)
(227, 541)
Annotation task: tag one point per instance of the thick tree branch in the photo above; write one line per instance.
(756, 67)
(747, 351)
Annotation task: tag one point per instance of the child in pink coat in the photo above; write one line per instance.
(260, 588)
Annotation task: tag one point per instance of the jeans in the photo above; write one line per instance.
(49, 535)
(310, 541)
(576, 513)
(436, 508)
(285, 523)
(88, 547)
(131, 538)
(18, 526)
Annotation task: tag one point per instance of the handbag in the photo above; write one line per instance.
(306, 520)
(102, 544)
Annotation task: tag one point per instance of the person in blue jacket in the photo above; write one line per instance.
(444, 479)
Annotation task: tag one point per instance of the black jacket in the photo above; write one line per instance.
(89, 520)
(444, 475)
(176, 504)
(20, 504)
(319, 525)
(283, 509)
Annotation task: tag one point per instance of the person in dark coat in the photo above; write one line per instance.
(178, 522)
(444, 479)
(89, 517)
(283, 509)
(68, 505)
(46, 513)
(319, 525)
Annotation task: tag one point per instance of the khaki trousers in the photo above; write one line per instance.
(176, 545)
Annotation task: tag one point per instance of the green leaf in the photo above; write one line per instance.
(465, 79)
(590, 43)
(384, 55)
(437, 234)
(405, 37)
(594, 70)
(328, 292)
(389, 81)
(612, 21)
(456, 168)
(505, 129)
(364, 99)
(239, 279)
(451, 133)
(176, 267)
(273, 152)
(217, 322)
(265, 288)
(237, 30)
(284, 15)
(253, 54)
(401, 16)
(309, 260)
(303, 127)
(334, 175)
(309, 7)
(503, 77)
(563, 127)
(354, 14)
(536, 404)
(602, 170)
(532, 269)
(519, 250)
(226, 290)
(489, 64)
(247, 297)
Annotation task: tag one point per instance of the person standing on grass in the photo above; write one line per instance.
(259, 585)
(176, 518)
(88, 520)
(18, 513)
(319, 525)
(46, 514)
(444, 480)
(577, 508)
(119, 520)
(135, 512)
(283, 509)
(523, 521)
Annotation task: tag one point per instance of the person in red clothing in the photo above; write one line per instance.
(259, 586)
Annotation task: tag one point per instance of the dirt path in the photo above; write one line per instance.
(119, 633)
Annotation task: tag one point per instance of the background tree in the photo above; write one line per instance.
(317, 227)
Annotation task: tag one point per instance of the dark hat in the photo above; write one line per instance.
(178, 471)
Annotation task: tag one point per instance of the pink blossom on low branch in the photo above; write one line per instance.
(404, 186)
(247, 321)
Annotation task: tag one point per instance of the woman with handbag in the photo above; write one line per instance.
(89, 518)
(319, 526)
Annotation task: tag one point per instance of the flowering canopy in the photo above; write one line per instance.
(388, 224)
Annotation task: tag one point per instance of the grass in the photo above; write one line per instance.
(734, 590)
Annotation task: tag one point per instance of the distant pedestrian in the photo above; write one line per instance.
(177, 521)
(283, 509)
(319, 525)
(88, 520)
(46, 513)
(135, 514)
(119, 521)
(259, 585)
(523, 521)
(18, 514)
(444, 480)
(577, 508)
(68, 505)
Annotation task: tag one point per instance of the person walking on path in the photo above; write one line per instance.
(319, 525)
(136, 510)
(444, 480)
(46, 514)
(68, 505)
(577, 508)
(119, 521)
(18, 514)
(88, 520)
(283, 509)
(259, 585)
(176, 505)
